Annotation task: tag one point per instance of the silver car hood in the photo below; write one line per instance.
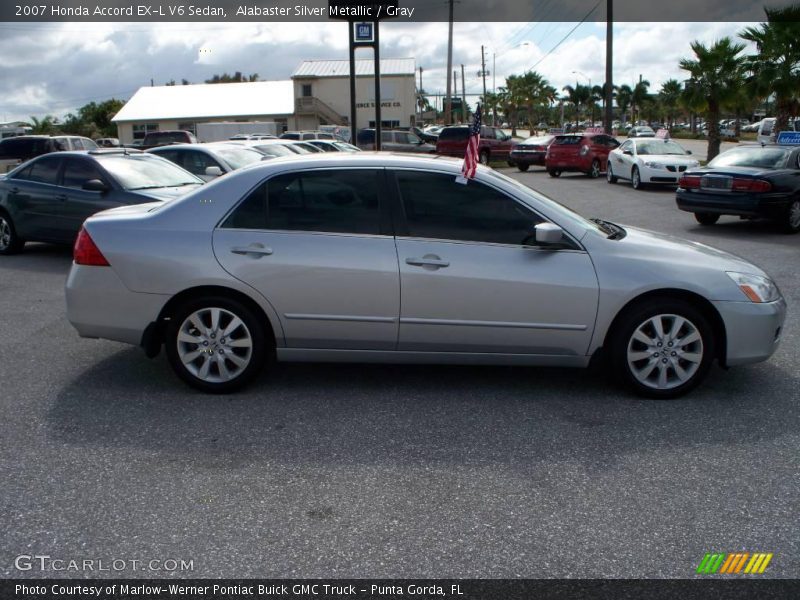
(647, 244)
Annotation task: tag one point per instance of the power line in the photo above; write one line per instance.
(562, 40)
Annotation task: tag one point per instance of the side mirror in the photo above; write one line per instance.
(628, 152)
(213, 171)
(688, 152)
(547, 234)
(94, 185)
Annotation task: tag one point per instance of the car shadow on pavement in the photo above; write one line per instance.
(336, 414)
(39, 258)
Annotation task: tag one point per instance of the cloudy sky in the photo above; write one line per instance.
(53, 68)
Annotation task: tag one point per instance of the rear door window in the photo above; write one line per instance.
(45, 170)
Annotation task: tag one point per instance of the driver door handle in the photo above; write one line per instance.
(428, 261)
(257, 250)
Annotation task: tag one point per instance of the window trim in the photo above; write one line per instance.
(401, 224)
(386, 223)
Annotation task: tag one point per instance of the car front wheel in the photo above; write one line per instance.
(636, 179)
(484, 157)
(10, 242)
(610, 177)
(216, 344)
(792, 224)
(662, 349)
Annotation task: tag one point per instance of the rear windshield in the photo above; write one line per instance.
(454, 133)
(166, 137)
(143, 171)
(239, 157)
(761, 158)
(23, 148)
(276, 150)
(567, 140)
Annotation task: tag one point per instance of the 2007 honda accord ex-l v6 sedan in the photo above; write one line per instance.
(389, 258)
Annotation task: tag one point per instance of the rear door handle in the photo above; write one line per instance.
(257, 250)
(429, 260)
(15, 190)
(61, 197)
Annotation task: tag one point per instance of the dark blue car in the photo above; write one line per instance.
(47, 199)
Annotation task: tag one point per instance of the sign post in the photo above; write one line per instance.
(363, 34)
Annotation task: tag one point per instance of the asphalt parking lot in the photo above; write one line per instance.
(396, 471)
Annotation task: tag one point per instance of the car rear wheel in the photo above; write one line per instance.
(792, 223)
(216, 344)
(10, 242)
(662, 349)
(636, 179)
(554, 173)
(484, 157)
(706, 218)
(523, 166)
(610, 177)
(594, 170)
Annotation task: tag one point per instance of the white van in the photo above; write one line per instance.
(766, 133)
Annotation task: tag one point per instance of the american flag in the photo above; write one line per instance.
(472, 158)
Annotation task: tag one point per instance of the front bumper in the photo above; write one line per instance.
(100, 306)
(753, 331)
(770, 206)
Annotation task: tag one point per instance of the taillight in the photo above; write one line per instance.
(689, 182)
(750, 185)
(86, 252)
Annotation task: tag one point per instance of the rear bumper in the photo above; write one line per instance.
(753, 331)
(528, 158)
(745, 205)
(100, 306)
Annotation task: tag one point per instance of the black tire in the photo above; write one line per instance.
(484, 157)
(261, 345)
(594, 170)
(610, 177)
(791, 223)
(10, 242)
(523, 167)
(637, 317)
(636, 179)
(554, 173)
(706, 218)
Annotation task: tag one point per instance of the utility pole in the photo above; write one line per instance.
(483, 73)
(448, 104)
(421, 100)
(609, 91)
(463, 95)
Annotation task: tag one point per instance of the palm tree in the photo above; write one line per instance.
(775, 69)
(716, 75)
(47, 125)
(490, 103)
(670, 95)
(599, 91)
(639, 95)
(535, 93)
(624, 95)
(579, 96)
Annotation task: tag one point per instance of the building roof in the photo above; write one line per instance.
(211, 100)
(341, 68)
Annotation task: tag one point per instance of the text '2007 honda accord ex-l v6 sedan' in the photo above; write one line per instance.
(375, 257)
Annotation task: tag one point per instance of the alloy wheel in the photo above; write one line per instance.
(214, 345)
(665, 351)
(794, 215)
(5, 234)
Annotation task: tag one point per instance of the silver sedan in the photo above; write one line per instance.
(390, 258)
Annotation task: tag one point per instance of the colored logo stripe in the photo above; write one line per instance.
(734, 562)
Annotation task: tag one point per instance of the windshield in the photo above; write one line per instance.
(239, 157)
(345, 147)
(275, 150)
(659, 147)
(141, 171)
(564, 212)
(761, 158)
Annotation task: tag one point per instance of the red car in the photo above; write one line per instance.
(495, 144)
(583, 152)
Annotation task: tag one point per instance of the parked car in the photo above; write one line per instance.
(253, 136)
(107, 142)
(766, 129)
(209, 161)
(641, 131)
(165, 138)
(307, 135)
(426, 136)
(18, 149)
(649, 160)
(530, 152)
(333, 146)
(296, 259)
(495, 144)
(394, 141)
(583, 152)
(748, 181)
(276, 148)
(48, 198)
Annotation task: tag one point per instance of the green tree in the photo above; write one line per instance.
(47, 125)
(775, 69)
(715, 74)
(579, 96)
(624, 96)
(670, 96)
(639, 96)
(237, 77)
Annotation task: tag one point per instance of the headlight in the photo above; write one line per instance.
(653, 165)
(757, 289)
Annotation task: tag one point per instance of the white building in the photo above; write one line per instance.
(317, 94)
